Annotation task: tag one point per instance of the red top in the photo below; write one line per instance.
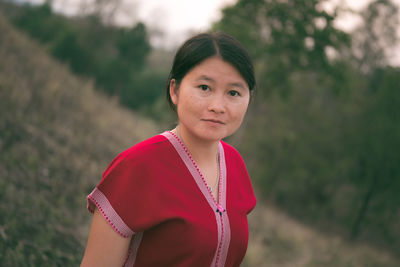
(155, 193)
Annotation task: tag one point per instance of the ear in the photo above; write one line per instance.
(173, 91)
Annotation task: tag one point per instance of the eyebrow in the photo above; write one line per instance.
(206, 78)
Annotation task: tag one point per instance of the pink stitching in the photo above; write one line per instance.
(198, 169)
(129, 254)
(105, 216)
(220, 244)
(210, 195)
(219, 191)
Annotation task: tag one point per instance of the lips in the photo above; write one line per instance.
(214, 121)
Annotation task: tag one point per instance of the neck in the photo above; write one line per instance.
(202, 151)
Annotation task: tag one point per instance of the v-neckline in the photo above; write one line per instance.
(218, 206)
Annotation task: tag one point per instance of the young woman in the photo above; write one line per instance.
(181, 198)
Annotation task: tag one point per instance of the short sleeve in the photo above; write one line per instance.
(240, 179)
(248, 189)
(122, 193)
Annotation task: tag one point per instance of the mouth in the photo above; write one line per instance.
(214, 121)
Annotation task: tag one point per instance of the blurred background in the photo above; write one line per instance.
(80, 81)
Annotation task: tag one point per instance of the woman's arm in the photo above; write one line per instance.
(105, 247)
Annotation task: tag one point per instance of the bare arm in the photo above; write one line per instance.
(105, 247)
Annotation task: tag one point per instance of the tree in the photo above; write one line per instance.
(377, 35)
(326, 151)
(285, 37)
(114, 56)
(376, 172)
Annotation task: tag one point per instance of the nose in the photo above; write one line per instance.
(216, 104)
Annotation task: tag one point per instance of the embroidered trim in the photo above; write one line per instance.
(133, 249)
(225, 219)
(104, 206)
(219, 209)
(223, 254)
(222, 219)
(189, 164)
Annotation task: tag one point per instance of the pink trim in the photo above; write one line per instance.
(184, 154)
(225, 241)
(98, 199)
(220, 236)
(223, 226)
(222, 168)
(222, 221)
(225, 219)
(133, 249)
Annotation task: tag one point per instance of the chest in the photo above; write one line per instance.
(189, 226)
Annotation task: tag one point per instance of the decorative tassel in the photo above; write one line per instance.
(220, 209)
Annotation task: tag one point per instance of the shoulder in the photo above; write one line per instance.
(228, 147)
(231, 152)
(147, 147)
(143, 152)
(239, 181)
(234, 161)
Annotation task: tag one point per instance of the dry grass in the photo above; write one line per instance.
(56, 137)
(279, 240)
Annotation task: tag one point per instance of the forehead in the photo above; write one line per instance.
(217, 70)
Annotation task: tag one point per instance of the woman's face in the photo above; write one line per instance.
(211, 100)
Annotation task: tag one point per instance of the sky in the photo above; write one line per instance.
(172, 15)
(172, 21)
(176, 18)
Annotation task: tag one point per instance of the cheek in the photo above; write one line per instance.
(192, 103)
(187, 106)
(241, 110)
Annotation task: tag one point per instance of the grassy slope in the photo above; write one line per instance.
(56, 137)
(279, 241)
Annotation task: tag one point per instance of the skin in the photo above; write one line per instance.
(211, 102)
(105, 247)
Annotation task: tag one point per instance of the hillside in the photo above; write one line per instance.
(57, 134)
(277, 240)
(56, 137)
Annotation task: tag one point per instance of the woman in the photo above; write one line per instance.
(181, 198)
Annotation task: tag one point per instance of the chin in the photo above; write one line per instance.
(213, 136)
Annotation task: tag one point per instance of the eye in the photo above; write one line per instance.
(204, 87)
(234, 93)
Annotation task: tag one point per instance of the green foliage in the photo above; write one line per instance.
(376, 171)
(321, 136)
(132, 44)
(147, 85)
(114, 57)
(376, 35)
(39, 22)
(68, 49)
(56, 137)
(285, 37)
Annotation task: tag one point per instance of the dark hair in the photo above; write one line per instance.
(206, 45)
